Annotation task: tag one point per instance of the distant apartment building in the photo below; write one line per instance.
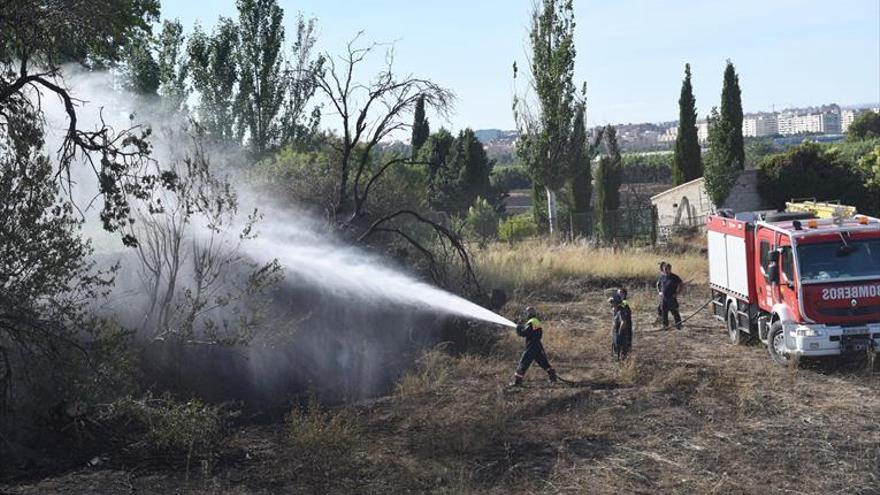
(825, 120)
(702, 131)
(846, 118)
(849, 115)
(760, 124)
(669, 135)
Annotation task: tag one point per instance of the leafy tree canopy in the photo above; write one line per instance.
(865, 126)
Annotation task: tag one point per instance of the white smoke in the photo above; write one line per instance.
(342, 290)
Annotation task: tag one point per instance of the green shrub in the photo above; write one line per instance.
(811, 170)
(325, 442)
(870, 165)
(510, 178)
(866, 125)
(647, 168)
(301, 177)
(482, 220)
(517, 228)
(850, 152)
(433, 370)
(191, 429)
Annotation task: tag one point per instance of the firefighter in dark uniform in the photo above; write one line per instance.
(532, 330)
(621, 332)
(670, 285)
(660, 293)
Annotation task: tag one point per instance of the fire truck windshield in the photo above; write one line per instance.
(838, 261)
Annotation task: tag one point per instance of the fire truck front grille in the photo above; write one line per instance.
(857, 311)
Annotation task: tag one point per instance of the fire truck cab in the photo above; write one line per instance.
(805, 286)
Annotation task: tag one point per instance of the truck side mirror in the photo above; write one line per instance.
(773, 272)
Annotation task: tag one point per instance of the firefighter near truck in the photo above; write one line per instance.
(805, 283)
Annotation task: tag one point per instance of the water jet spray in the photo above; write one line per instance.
(348, 272)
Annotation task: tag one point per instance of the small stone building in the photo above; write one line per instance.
(688, 204)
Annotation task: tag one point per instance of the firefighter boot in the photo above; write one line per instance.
(551, 374)
(517, 380)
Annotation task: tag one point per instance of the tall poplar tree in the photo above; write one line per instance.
(173, 68)
(141, 72)
(545, 130)
(732, 116)
(213, 67)
(261, 85)
(301, 73)
(687, 164)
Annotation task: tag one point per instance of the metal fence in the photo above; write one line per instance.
(666, 232)
(626, 225)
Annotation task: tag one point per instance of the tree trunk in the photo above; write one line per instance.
(551, 210)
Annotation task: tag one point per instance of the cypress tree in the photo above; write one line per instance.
(687, 164)
(581, 182)
(609, 175)
(719, 175)
(420, 129)
(732, 116)
(614, 174)
(468, 157)
(600, 207)
(435, 153)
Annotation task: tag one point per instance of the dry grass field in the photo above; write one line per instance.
(543, 266)
(686, 413)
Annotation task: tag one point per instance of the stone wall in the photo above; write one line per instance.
(744, 195)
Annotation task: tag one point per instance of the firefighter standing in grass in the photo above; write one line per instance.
(532, 330)
(621, 332)
(670, 285)
(660, 293)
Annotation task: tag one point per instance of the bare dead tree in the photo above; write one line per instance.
(370, 113)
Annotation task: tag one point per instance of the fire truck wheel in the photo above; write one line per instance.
(776, 344)
(736, 336)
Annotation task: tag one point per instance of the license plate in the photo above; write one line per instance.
(855, 331)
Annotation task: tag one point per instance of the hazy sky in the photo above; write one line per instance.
(630, 52)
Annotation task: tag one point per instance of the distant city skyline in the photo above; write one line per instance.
(788, 53)
(861, 106)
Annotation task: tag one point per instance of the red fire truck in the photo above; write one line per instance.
(805, 286)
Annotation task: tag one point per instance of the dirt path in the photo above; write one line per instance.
(687, 413)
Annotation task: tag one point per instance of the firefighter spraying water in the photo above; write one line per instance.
(532, 329)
